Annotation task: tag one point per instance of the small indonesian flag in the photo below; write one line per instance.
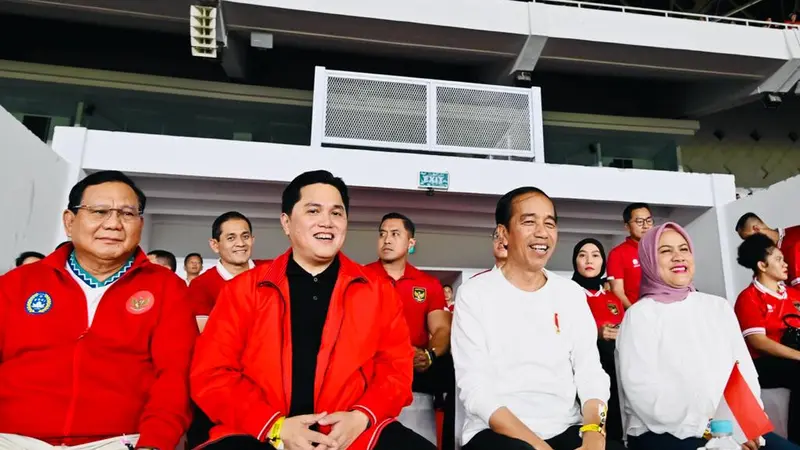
(741, 407)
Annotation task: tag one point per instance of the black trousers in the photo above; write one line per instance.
(652, 441)
(782, 373)
(394, 437)
(568, 440)
(614, 419)
(199, 428)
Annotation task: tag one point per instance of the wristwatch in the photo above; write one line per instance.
(431, 355)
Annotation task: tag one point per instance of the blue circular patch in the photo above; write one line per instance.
(39, 303)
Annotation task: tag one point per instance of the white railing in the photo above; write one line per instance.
(664, 13)
(416, 114)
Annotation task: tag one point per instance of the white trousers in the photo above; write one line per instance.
(419, 416)
(17, 442)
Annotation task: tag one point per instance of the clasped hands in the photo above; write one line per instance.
(345, 428)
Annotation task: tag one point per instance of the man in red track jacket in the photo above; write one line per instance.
(95, 341)
(310, 351)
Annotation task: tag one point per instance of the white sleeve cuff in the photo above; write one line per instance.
(754, 330)
(484, 408)
(795, 281)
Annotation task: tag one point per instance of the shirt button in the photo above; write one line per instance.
(314, 297)
(315, 280)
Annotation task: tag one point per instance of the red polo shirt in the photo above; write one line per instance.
(606, 307)
(789, 243)
(623, 264)
(65, 381)
(761, 311)
(421, 294)
(204, 290)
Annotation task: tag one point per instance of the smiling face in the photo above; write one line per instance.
(675, 260)
(589, 261)
(317, 225)
(235, 244)
(532, 231)
(100, 229)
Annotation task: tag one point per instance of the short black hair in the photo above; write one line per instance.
(502, 213)
(407, 223)
(216, 227)
(746, 217)
(165, 255)
(104, 176)
(291, 195)
(63, 244)
(753, 250)
(627, 213)
(447, 286)
(25, 255)
(186, 258)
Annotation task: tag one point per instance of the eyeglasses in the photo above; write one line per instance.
(641, 222)
(101, 213)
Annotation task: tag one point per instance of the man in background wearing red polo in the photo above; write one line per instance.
(624, 271)
(428, 320)
(232, 239)
(95, 340)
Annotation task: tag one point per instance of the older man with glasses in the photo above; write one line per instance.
(95, 341)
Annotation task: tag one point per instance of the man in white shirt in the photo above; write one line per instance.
(525, 344)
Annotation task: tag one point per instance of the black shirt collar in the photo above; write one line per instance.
(330, 274)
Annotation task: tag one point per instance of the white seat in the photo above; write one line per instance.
(776, 405)
(420, 417)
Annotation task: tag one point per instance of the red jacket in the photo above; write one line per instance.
(204, 289)
(241, 373)
(66, 383)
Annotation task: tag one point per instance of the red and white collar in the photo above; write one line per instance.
(780, 295)
(598, 293)
(223, 272)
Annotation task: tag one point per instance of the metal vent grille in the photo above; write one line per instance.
(376, 110)
(486, 119)
(421, 115)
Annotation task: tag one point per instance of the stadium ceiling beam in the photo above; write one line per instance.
(702, 6)
(742, 8)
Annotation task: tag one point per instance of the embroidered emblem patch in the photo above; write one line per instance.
(140, 302)
(39, 303)
(420, 294)
(613, 308)
(635, 262)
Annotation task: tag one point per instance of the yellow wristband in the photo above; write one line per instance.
(592, 427)
(274, 435)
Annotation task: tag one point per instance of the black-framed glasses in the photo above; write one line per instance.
(101, 213)
(642, 221)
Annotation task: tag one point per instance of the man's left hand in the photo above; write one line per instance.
(421, 360)
(593, 441)
(346, 427)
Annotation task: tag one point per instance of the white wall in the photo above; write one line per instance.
(35, 188)
(194, 157)
(435, 250)
(776, 206)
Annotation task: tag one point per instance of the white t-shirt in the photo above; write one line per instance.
(675, 360)
(532, 352)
